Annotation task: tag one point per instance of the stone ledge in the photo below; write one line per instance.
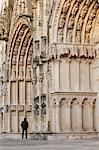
(53, 135)
(65, 135)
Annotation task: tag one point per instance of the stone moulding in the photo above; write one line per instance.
(91, 96)
(68, 50)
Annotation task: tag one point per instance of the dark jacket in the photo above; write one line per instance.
(24, 125)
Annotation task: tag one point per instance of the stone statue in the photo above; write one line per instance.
(78, 37)
(69, 36)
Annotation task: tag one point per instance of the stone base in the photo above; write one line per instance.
(53, 136)
(13, 136)
(66, 135)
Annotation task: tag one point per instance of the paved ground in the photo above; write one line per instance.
(19, 144)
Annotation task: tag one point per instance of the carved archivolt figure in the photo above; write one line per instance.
(84, 11)
(62, 21)
(13, 75)
(66, 7)
(75, 9)
(21, 72)
(78, 37)
(79, 24)
(87, 38)
(88, 2)
(60, 35)
(3, 30)
(89, 25)
(71, 22)
(21, 59)
(28, 72)
(69, 36)
(14, 59)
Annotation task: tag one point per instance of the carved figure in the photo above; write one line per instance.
(75, 9)
(78, 37)
(71, 22)
(69, 36)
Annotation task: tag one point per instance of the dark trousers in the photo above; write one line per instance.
(24, 131)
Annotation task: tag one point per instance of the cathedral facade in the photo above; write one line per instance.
(49, 66)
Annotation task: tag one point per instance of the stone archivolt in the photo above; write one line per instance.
(52, 66)
(20, 52)
(74, 24)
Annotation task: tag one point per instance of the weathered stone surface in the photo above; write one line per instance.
(49, 66)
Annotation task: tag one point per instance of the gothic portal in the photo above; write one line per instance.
(49, 66)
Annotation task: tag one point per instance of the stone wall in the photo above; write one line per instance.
(49, 65)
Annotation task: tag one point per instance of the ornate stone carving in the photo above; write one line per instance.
(88, 26)
(13, 74)
(87, 38)
(21, 72)
(28, 74)
(14, 60)
(84, 11)
(71, 22)
(29, 59)
(79, 24)
(75, 9)
(78, 37)
(69, 36)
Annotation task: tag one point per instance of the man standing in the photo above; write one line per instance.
(24, 126)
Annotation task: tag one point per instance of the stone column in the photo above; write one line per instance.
(0, 122)
(89, 75)
(57, 115)
(96, 84)
(33, 95)
(33, 109)
(4, 107)
(44, 18)
(53, 117)
(80, 117)
(68, 74)
(9, 103)
(68, 117)
(4, 96)
(38, 20)
(57, 75)
(91, 118)
(79, 77)
(53, 75)
(40, 122)
(40, 99)
(68, 61)
(17, 102)
(48, 78)
(97, 113)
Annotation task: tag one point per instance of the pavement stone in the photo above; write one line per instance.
(29, 144)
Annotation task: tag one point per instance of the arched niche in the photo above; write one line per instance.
(75, 114)
(63, 115)
(87, 115)
(19, 56)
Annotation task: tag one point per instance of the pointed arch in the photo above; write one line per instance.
(20, 52)
(73, 21)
